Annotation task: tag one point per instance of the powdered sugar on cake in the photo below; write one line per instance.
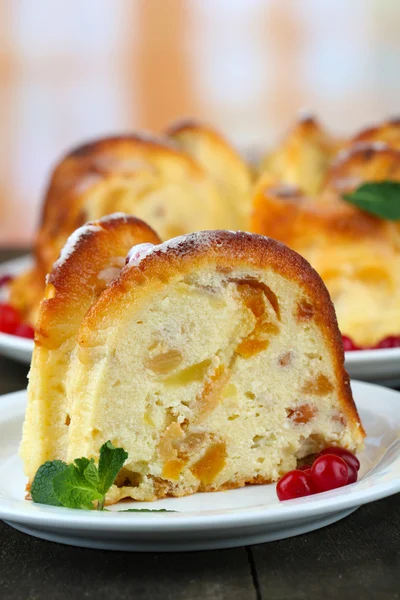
(137, 253)
(72, 242)
(188, 241)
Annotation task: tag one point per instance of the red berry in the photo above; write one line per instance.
(329, 472)
(392, 341)
(5, 279)
(348, 457)
(352, 472)
(348, 344)
(295, 484)
(24, 330)
(9, 318)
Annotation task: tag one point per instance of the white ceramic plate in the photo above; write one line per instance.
(206, 521)
(379, 366)
(11, 345)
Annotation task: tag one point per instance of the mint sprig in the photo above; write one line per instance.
(80, 484)
(380, 198)
(42, 486)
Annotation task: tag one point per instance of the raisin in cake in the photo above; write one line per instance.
(92, 257)
(215, 360)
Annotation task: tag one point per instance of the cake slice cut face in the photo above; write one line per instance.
(92, 257)
(215, 360)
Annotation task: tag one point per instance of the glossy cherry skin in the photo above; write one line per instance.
(328, 473)
(24, 330)
(9, 318)
(348, 457)
(295, 484)
(392, 341)
(352, 474)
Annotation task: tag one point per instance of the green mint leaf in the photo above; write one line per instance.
(42, 490)
(146, 510)
(81, 464)
(381, 198)
(88, 469)
(73, 490)
(110, 463)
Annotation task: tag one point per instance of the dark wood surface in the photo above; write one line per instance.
(357, 558)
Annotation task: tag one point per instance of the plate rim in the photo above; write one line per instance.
(257, 515)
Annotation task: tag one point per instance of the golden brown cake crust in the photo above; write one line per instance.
(183, 126)
(364, 161)
(88, 164)
(182, 255)
(76, 274)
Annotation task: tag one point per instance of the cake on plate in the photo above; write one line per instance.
(214, 359)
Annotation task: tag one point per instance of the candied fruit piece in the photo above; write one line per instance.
(249, 287)
(164, 363)
(173, 468)
(251, 346)
(207, 468)
(168, 440)
(195, 372)
(321, 386)
(305, 310)
(269, 328)
(212, 391)
(301, 414)
(192, 443)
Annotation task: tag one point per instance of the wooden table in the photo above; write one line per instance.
(357, 558)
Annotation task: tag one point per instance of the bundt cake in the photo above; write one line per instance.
(214, 359)
(92, 256)
(174, 190)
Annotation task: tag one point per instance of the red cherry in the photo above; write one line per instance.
(5, 279)
(295, 484)
(24, 330)
(348, 457)
(352, 472)
(392, 341)
(348, 344)
(9, 318)
(329, 472)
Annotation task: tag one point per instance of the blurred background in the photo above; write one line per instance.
(72, 70)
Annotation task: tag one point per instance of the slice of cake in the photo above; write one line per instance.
(92, 257)
(214, 360)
